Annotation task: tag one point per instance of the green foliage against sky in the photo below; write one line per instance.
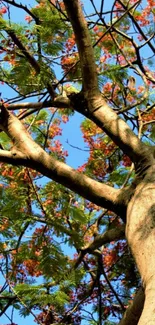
(49, 266)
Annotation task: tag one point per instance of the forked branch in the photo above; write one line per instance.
(92, 104)
(28, 153)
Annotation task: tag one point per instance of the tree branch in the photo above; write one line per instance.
(134, 311)
(107, 237)
(59, 102)
(85, 49)
(32, 61)
(23, 49)
(119, 131)
(30, 154)
(90, 102)
(25, 8)
(104, 117)
(135, 22)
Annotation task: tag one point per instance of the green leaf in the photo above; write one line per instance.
(77, 214)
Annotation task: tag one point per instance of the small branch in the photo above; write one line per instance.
(33, 187)
(10, 301)
(137, 61)
(137, 26)
(23, 49)
(107, 237)
(59, 102)
(109, 28)
(25, 8)
(128, 176)
(23, 303)
(29, 57)
(99, 272)
(110, 285)
(149, 122)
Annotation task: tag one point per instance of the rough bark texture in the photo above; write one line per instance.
(140, 232)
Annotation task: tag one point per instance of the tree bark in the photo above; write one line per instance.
(140, 228)
(140, 233)
(134, 311)
(96, 107)
(27, 152)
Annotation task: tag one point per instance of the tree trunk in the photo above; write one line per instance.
(140, 233)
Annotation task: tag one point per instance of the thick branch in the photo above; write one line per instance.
(100, 113)
(103, 116)
(85, 49)
(119, 132)
(107, 237)
(92, 104)
(32, 155)
(134, 311)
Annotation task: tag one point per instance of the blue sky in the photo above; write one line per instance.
(71, 134)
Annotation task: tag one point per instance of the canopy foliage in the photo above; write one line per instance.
(64, 257)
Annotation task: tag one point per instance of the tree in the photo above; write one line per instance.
(104, 210)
